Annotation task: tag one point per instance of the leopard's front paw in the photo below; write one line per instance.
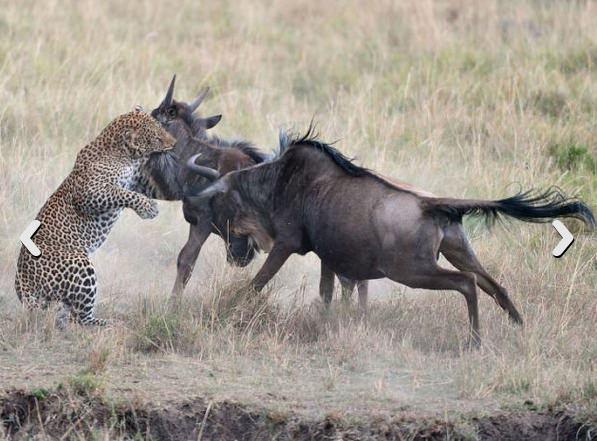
(149, 210)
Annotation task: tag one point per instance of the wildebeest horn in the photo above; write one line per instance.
(195, 104)
(206, 172)
(168, 99)
(214, 189)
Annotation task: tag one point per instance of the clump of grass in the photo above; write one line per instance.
(85, 384)
(99, 359)
(27, 326)
(40, 393)
(160, 330)
(232, 308)
(574, 60)
(236, 305)
(573, 156)
(549, 103)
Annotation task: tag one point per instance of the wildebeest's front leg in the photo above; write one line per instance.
(280, 252)
(326, 284)
(187, 257)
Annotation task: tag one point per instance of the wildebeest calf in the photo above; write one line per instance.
(312, 198)
(165, 177)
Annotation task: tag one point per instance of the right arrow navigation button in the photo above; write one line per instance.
(566, 241)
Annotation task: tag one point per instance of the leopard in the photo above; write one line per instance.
(77, 218)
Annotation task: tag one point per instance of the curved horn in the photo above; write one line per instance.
(206, 172)
(211, 191)
(168, 99)
(195, 104)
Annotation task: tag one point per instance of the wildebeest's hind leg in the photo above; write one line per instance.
(434, 277)
(348, 288)
(187, 257)
(363, 290)
(457, 249)
(326, 284)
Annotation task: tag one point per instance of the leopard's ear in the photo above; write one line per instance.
(130, 136)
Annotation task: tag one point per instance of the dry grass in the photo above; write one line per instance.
(461, 99)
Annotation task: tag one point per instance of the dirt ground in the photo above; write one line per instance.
(60, 415)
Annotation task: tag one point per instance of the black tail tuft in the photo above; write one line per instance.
(529, 206)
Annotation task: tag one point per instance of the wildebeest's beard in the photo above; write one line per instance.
(240, 250)
(162, 170)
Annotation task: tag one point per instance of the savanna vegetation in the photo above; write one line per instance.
(464, 99)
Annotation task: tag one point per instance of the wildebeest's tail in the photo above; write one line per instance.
(530, 206)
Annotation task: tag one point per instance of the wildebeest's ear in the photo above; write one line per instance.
(211, 121)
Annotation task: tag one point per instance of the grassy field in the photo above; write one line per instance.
(464, 99)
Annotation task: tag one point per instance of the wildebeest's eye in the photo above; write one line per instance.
(172, 112)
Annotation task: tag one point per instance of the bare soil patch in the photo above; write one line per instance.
(64, 415)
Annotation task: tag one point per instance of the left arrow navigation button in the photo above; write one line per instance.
(26, 238)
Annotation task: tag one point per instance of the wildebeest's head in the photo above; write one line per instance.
(231, 208)
(240, 249)
(180, 118)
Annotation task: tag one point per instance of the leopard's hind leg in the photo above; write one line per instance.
(28, 286)
(81, 295)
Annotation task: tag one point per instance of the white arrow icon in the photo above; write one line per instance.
(566, 241)
(26, 238)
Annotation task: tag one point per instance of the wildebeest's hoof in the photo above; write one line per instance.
(516, 318)
(473, 342)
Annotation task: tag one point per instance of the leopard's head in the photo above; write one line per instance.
(139, 134)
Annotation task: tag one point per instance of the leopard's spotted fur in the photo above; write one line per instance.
(77, 218)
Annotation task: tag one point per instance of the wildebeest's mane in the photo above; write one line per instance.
(244, 146)
(310, 139)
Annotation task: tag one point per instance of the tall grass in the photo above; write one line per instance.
(463, 99)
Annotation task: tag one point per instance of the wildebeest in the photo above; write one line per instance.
(166, 179)
(362, 226)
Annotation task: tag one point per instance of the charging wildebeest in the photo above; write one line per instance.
(166, 179)
(312, 198)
